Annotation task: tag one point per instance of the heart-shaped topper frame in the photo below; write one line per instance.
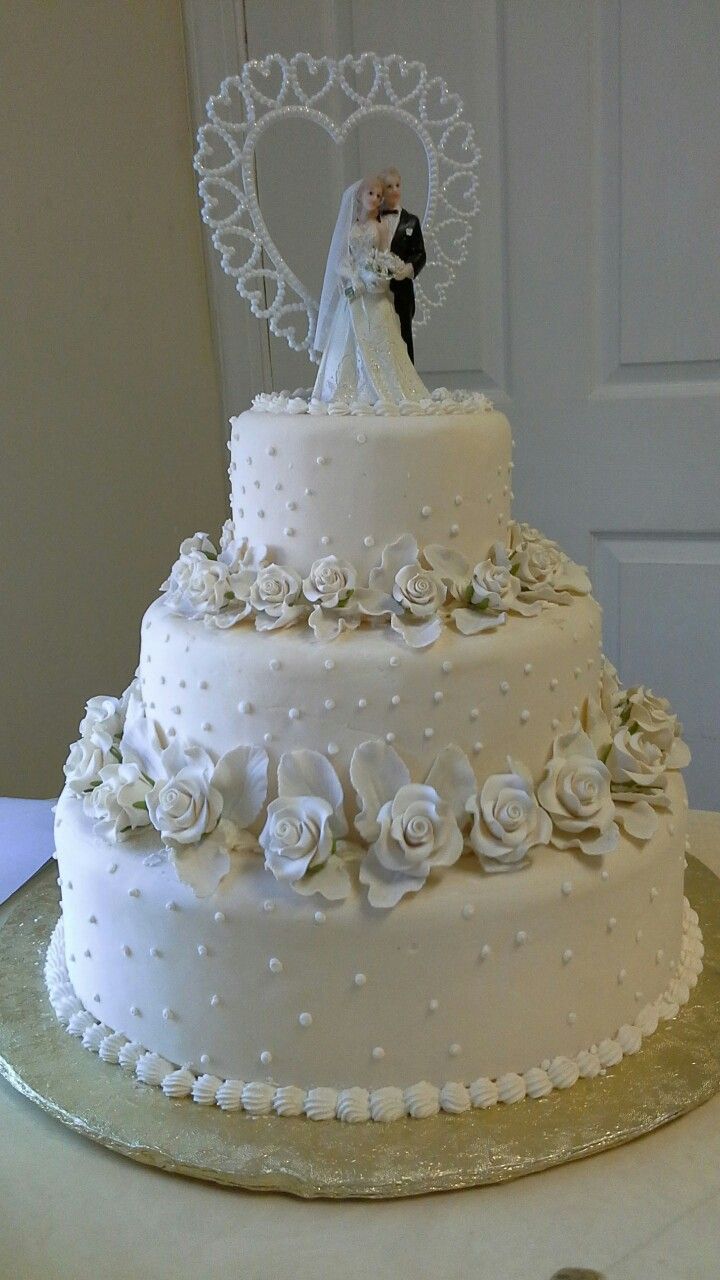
(391, 86)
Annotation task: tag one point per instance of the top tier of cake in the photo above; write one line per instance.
(308, 486)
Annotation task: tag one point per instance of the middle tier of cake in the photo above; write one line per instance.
(504, 693)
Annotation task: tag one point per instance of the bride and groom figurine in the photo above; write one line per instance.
(364, 324)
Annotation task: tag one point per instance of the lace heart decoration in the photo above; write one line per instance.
(358, 85)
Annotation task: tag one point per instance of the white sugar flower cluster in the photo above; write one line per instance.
(417, 592)
(207, 808)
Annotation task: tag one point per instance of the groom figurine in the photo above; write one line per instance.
(405, 240)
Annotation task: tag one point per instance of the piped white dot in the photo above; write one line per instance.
(520, 938)
(368, 540)
(622, 976)
(329, 704)
(244, 707)
(477, 748)
(468, 911)
(394, 661)
(438, 696)
(265, 1057)
(168, 1015)
(219, 917)
(294, 713)
(433, 1005)
(566, 888)
(429, 732)
(362, 703)
(305, 1019)
(171, 905)
(612, 922)
(268, 905)
(360, 979)
(572, 1019)
(457, 500)
(329, 664)
(204, 1059)
(485, 951)
(126, 950)
(454, 530)
(454, 1050)
(319, 917)
(390, 737)
(528, 668)
(425, 512)
(332, 748)
(378, 1053)
(274, 664)
(447, 666)
(524, 715)
(202, 950)
(395, 700)
(567, 955)
(604, 874)
(275, 965)
(504, 686)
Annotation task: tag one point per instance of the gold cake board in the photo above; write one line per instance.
(677, 1069)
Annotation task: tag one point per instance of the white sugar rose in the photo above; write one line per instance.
(575, 792)
(419, 590)
(418, 831)
(651, 714)
(330, 583)
(305, 826)
(297, 836)
(103, 721)
(274, 597)
(83, 765)
(636, 758)
(199, 586)
(543, 571)
(118, 805)
(410, 827)
(185, 806)
(507, 819)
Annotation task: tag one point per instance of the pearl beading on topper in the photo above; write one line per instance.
(225, 160)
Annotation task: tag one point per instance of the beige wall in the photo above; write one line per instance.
(112, 434)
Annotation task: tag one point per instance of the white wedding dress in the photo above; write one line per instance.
(364, 357)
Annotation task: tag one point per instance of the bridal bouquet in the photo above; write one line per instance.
(371, 273)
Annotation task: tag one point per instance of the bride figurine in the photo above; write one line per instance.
(364, 357)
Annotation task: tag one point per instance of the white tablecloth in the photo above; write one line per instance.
(646, 1211)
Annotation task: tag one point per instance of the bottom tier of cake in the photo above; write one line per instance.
(482, 988)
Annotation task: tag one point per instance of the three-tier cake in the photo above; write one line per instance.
(374, 831)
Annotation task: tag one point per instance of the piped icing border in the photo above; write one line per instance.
(440, 402)
(353, 1105)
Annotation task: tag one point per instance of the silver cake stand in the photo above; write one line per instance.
(677, 1069)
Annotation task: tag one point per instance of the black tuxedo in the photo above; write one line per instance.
(407, 243)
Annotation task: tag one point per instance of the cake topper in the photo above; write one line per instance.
(336, 94)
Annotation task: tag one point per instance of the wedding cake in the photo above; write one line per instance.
(375, 831)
